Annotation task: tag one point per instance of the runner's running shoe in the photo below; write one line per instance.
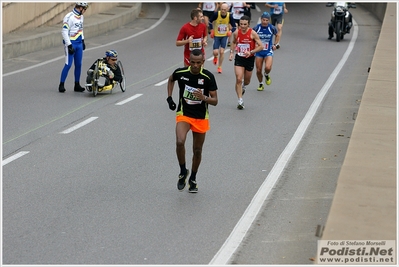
(243, 89)
(268, 79)
(193, 188)
(219, 69)
(240, 104)
(181, 183)
(215, 60)
(261, 87)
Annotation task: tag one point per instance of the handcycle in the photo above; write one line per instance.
(98, 80)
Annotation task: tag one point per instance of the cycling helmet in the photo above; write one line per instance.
(265, 15)
(111, 53)
(83, 4)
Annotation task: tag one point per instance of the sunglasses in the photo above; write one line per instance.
(114, 59)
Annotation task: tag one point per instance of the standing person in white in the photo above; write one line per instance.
(74, 44)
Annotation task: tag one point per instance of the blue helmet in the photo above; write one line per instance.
(111, 53)
(265, 15)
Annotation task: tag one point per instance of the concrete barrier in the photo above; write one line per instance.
(24, 42)
(376, 9)
(26, 16)
(364, 205)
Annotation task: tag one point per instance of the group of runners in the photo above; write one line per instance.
(197, 85)
(249, 47)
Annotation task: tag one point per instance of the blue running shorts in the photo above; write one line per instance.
(264, 53)
(219, 42)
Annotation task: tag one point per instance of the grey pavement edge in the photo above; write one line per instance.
(24, 42)
(365, 201)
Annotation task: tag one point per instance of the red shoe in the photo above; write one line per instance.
(215, 60)
(219, 69)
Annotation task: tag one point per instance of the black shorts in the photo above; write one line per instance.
(246, 62)
(207, 13)
(277, 19)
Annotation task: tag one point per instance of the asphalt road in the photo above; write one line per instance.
(106, 193)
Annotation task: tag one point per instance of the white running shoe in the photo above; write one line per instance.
(240, 104)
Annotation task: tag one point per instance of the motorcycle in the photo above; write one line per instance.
(341, 19)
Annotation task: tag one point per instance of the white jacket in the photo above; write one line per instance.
(72, 28)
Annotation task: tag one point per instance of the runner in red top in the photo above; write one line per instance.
(246, 43)
(193, 35)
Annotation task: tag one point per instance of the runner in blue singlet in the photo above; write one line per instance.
(266, 31)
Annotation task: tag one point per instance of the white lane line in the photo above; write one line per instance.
(14, 157)
(162, 83)
(161, 19)
(224, 255)
(79, 125)
(128, 99)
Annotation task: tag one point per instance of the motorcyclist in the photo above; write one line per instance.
(112, 71)
(346, 6)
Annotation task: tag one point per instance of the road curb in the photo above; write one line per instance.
(21, 43)
(364, 204)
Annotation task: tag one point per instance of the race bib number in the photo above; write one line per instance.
(196, 44)
(242, 49)
(278, 10)
(265, 45)
(237, 13)
(222, 28)
(189, 96)
(209, 6)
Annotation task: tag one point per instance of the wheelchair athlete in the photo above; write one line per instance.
(110, 71)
